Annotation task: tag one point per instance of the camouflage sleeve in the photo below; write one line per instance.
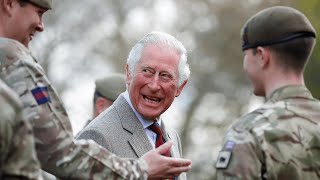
(18, 155)
(240, 157)
(57, 151)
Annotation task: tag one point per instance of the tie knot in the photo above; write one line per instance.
(156, 128)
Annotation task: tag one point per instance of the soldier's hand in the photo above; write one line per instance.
(162, 167)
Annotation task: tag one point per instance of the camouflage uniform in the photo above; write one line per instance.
(58, 152)
(280, 140)
(18, 156)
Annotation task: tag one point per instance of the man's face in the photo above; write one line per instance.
(26, 20)
(154, 83)
(101, 104)
(252, 68)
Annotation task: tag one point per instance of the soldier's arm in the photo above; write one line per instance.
(18, 156)
(238, 159)
(58, 153)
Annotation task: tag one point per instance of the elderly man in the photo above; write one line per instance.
(56, 149)
(281, 139)
(157, 71)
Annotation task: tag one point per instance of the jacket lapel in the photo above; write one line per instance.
(139, 141)
(169, 135)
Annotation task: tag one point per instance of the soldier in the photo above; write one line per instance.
(18, 156)
(106, 92)
(281, 139)
(57, 151)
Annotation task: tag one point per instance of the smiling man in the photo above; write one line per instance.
(17, 11)
(157, 71)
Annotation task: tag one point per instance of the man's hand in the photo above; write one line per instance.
(162, 167)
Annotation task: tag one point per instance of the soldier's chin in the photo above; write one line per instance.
(26, 44)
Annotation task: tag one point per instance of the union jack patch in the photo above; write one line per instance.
(41, 95)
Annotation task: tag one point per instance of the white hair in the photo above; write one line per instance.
(162, 39)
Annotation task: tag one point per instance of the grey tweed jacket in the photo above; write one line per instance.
(120, 131)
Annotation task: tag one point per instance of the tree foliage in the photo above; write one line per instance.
(312, 78)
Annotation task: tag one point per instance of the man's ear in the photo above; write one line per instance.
(179, 90)
(129, 76)
(7, 6)
(100, 105)
(264, 54)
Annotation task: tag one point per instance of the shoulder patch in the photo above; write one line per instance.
(41, 95)
(223, 159)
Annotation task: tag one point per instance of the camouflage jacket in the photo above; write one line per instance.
(18, 155)
(280, 140)
(57, 151)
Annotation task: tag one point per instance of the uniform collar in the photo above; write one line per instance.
(285, 92)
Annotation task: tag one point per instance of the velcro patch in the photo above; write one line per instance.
(229, 145)
(223, 159)
(41, 95)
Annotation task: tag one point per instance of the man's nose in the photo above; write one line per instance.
(40, 26)
(154, 83)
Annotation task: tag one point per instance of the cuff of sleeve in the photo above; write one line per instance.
(144, 167)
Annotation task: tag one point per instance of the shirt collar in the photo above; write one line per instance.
(145, 123)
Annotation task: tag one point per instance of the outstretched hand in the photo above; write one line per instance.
(162, 167)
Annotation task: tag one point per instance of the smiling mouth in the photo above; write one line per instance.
(31, 35)
(151, 100)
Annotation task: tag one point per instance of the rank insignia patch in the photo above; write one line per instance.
(41, 95)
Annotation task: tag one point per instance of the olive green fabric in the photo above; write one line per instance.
(111, 86)
(43, 3)
(275, 25)
(278, 141)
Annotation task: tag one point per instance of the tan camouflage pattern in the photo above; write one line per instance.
(58, 152)
(18, 155)
(280, 140)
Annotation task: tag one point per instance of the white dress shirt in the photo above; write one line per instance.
(152, 136)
